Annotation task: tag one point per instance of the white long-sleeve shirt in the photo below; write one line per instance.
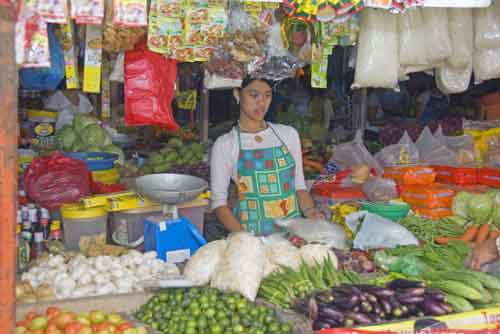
(225, 152)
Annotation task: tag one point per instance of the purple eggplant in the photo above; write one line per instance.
(386, 306)
(446, 307)
(414, 292)
(325, 297)
(348, 322)
(359, 318)
(410, 300)
(347, 303)
(432, 307)
(370, 297)
(366, 307)
(331, 322)
(379, 291)
(313, 308)
(404, 284)
(412, 308)
(332, 313)
(436, 295)
(318, 325)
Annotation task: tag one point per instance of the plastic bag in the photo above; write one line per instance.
(403, 153)
(412, 38)
(45, 78)
(202, 265)
(453, 80)
(55, 180)
(408, 265)
(354, 153)
(149, 89)
(312, 254)
(320, 231)
(378, 189)
(377, 48)
(462, 37)
(486, 64)
(487, 27)
(432, 151)
(463, 146)
(281, 252)
(242, 266)
(437, 35)
(377, 232)
(87, 11)
(31, 41)
(66, 110)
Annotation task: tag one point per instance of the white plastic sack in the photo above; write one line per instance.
(314, 253)
(66, 110)
(412, 47)
(453, 80)
(281, 252)
(316, 230)
(437, 35)
(242, 266)
(462, 37)
(377, 49)
(486, 64)
(202, 265)
(432, 151)
(404, 152)
(354, 153)
(487, 27)
(378, 232)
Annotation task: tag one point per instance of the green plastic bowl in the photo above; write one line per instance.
(393, 212)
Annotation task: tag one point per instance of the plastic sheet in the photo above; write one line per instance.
(487, 27)
(463, 146)
(377, 49)
(486, 64)
(378, 189)
(432, 151)
(202, 265)
(412, 38)
(55, 180)
(462, 37)
(453, 80)
(437, 35)
(403, 153)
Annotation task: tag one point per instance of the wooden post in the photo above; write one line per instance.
(205, 108)
(8, 167)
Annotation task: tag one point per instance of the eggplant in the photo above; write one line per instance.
(404, 309)
(377, 309)
(347, 303)
(382, 315)
(356, 309)
(386, 306)
(432, 307)
(436, 295)
(411, 300)
(404, 284)
(359, 318)
(318, 325)
(446, 307)
(331, 322)
(412, 308)
(414, 292)
(370, 297)
(420, 314)
(332, 313)
(325, 297)
(366, 307)
(348, 322)
(313, 308)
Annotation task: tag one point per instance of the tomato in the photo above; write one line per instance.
(114, 318)
(21, 330)
(31, 315)
(101, 327)
(141, 330)
(38, 323)
(37, 331)
(53, 311)
(72, 328)
(53, 331)
(22, 323)
(63, 319)
(97, 317)
(85, 330)
(83, 318)
(123, 326)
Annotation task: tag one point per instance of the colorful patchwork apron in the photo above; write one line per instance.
(266, 187)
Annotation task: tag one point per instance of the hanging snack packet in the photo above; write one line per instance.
(32, 40)
(70, 59)
(53, 11)
(157, 33)
(384, 4)
(130, 13)
(87, 11)
(93, 60)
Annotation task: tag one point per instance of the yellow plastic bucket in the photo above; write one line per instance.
(108, 176)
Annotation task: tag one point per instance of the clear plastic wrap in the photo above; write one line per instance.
(437, 35)
(432, 151)
(377, 49)
(412, 38)
(281, 252)
(486, 64)
(463, 145)
(378, 189)
(202, 265)
(462, 37)
(453, 80)
(405, 152)
(487, 27)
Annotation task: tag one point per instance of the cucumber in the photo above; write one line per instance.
(458, 289)
(458, 276)
(488, 281)
(458, 303)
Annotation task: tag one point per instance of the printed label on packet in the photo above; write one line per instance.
(130, 13)
(93, 60)
(70, 59)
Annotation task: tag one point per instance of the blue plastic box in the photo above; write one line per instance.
(173, 240)
(95, 161)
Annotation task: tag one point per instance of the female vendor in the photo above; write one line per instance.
(265, 162)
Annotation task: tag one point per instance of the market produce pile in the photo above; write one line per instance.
(174, 153)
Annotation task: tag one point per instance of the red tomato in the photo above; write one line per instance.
(63, 319)
(31, 315)
(123, 326)
(85, 330)
(37, 331)
(72, 328)
(22, 323)
(53, 311)
(101, 327)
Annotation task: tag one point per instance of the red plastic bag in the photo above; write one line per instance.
(55, 180)
(149, 89)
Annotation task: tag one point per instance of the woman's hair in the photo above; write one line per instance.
(247, 80)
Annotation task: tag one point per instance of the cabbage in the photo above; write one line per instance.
(107, 139)
(479, 208)
(81, 121)
(94, 149)
(93, 135)
(116, 150)
(459, 206)
(78, 145)
(67, 137)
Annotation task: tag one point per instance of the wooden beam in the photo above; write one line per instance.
(204, 119)
(8, 168)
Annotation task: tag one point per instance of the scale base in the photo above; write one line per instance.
(170, 211)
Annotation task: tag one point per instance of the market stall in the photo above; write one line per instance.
(113, 168)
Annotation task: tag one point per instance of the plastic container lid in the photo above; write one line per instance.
(78, 211)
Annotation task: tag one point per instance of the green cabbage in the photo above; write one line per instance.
(479, 208)
(107, 139)
(93, 135)
(67, 137)
(81, 121)
(78, 145)
(459, 206)
(93, 149)
(116, 150)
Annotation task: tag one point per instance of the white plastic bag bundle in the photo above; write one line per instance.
(437, 35)
(486, 64)
(242, 266)
(378, 232)
(462, 37)
(404, 152)
(377, 49)
(316, 230)
(312, 253)
(463, 146)
(432, 151)
(453, 80)
(202, 265)
(281, 252)
(487, 27)
(412, 47)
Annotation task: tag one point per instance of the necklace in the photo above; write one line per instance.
(257, 138)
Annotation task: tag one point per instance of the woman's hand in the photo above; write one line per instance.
(313, 213)
(483, 253)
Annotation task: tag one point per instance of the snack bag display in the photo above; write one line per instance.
(32, 40)
(87, 11)
(130, 13)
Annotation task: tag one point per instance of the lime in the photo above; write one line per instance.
(238, 329)
(286, 328)
(210, 312)
(273, 327)
(216, 329)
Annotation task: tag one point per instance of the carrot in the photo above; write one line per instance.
(313, 164)
(494, 234)
(470, 233)
(482, 233)
(442, 240)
